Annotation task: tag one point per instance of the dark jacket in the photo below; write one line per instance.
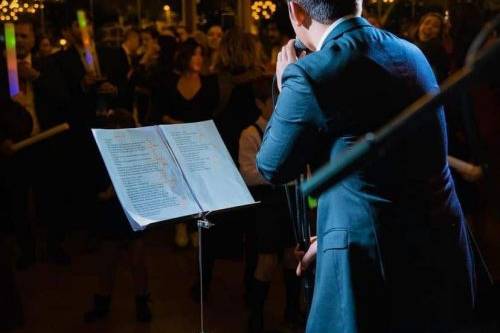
(83, 103)
(393, 249)
(48, 89)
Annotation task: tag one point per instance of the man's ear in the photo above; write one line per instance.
(298, 14)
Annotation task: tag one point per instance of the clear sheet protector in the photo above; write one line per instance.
(145, 176)
(207, 165)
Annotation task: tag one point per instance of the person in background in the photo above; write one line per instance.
(114, 229)
(214, 37)
(273, 39)
(15, 124)
(45, 47)
(429, 37)
(187, 96)
(237, 68)
(42, 182)
(131, 45)
(130, 48)
(150, 48)
(182, 33)
(273, 228)
(145, 74)
(91, 91)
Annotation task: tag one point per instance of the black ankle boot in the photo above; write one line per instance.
(100, 309)
(143, 312)
(260, 290)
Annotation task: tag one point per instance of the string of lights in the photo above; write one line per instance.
(263, 10)
(11, 9)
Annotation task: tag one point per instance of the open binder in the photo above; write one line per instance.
(168, 172)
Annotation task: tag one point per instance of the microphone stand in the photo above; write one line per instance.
(301, 228)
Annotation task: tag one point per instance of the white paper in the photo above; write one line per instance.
(145, 176)
(209, 169)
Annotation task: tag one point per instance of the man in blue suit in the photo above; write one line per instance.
(393, 251)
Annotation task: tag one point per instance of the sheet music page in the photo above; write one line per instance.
(207, 165)
(145, 176)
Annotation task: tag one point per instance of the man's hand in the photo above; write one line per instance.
(285, 57)
(26, 72)
(305, 259)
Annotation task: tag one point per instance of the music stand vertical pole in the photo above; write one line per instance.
(203, 223)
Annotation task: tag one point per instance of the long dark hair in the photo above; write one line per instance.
(414, 33)
(238, 52)
(184, 54)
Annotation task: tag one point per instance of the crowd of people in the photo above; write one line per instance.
(173, 78)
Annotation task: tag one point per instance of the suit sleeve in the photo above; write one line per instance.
(293, 131)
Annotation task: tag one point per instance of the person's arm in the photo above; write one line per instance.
(468, 171)
(249, 145)
(293, 131)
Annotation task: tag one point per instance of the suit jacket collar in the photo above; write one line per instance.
(346, 26)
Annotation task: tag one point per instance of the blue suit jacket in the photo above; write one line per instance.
(393, 251)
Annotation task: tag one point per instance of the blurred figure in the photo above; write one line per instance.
(274, 237)
(130, 48)
(466, 21)
(429, 37)
(182, 33)
(45, 48)
(154, 66)
(273, 40)
(237, 67)
(214, 37)
(187, 96)
(42, 97)
(11, 311)
(150, 49)
(91, 91)
(114, 229)
(131, 45)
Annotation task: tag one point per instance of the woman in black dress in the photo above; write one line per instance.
(186, 95)
(429, 37)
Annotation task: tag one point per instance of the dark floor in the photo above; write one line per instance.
(55, 298)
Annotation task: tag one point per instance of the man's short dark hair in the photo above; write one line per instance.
(327, 11)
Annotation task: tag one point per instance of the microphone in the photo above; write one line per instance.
(299, 46)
